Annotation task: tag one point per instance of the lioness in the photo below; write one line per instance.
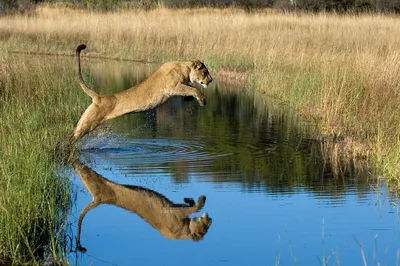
(171, 79)
(170, 219)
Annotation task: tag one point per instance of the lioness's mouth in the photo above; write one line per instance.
(204, 85)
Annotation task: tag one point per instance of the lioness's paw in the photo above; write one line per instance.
(201, 200)
(189, 201)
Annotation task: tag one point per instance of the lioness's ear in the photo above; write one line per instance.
(197, 64)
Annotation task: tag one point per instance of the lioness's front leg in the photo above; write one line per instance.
(186, 211)
(200, 203)
(185, 90)
(189, 201)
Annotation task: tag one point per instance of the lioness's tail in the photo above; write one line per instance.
(85, 88)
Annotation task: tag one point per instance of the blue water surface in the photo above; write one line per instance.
(273, 197)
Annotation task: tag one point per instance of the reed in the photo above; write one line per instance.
(36, 111)
(338, 71)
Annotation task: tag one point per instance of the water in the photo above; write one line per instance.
(271, 197)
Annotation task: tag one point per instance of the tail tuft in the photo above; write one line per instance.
(80, 47)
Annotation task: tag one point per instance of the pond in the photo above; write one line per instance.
(272, 198)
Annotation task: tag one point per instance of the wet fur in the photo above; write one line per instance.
(171, 79)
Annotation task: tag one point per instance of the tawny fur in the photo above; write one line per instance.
(171, 79)
(170, 219)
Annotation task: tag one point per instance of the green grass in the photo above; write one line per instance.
(38, 106)
(338, 71)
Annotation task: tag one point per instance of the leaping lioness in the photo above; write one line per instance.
(171, 79)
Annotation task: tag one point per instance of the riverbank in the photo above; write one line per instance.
(35, 197)
(339, 72)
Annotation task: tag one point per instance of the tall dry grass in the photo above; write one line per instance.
(340, 71)
(200, 32)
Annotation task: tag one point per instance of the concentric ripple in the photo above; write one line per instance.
(152, 154)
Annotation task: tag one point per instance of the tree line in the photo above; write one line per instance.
(339, 6)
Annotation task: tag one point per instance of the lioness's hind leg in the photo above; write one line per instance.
(91, 118)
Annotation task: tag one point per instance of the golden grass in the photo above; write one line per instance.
(338, 70)
(189, 32)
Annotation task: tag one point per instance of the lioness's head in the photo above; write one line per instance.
(199, 226)
(199, 73)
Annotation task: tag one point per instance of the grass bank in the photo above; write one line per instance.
(36, 110)
(340, 72)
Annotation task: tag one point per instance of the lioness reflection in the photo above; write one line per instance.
(170, 219)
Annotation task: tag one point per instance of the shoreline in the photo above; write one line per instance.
(339, 72)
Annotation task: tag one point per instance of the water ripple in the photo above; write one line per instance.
(156, 150)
